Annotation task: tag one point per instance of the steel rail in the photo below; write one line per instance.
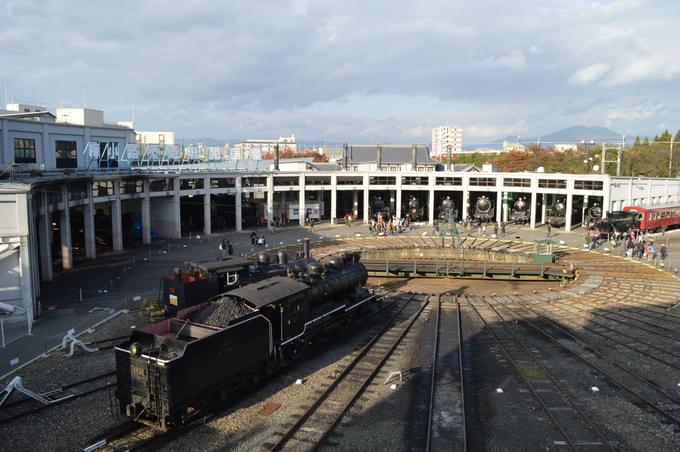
(290, 433)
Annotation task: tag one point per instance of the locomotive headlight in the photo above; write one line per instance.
(135, 349)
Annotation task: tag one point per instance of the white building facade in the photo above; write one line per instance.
(445, 138)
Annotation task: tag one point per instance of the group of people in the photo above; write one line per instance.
(469, 224)
(256, 239)
(389, 226)
(227, 246)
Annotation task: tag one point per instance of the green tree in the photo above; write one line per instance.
(645, 142)
(677, 137)
(665, 137)
(637, 140)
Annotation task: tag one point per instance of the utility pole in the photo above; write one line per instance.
(670, 158)
(619, 156)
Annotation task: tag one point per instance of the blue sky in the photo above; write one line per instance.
(359, 71)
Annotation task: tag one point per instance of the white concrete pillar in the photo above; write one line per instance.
(544, 209)
(606, 195)
(238, 201)
(116, 218)
(27, 298)
(45, 239)
(500, 206)
(177, 211)
(88, 222)
(532, 216)
(430, 206)
(334, 198)
(570, 207)
(146, 214)
(397, 210)
(466, 205)
(366, 187)
(270, 202)
(65, 231)
(506, 207)
(355, 203)
(301, 201)
(207, 202)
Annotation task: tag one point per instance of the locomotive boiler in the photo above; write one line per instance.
(520, 211)
(380, 209)
(484, 209)
(168, 371)
(593, 215)
(557, 214)
(447, 212)
(415, 209)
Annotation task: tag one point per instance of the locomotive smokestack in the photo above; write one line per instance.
(414, 157)
(305, 248)
(276, 157)
(283, 258)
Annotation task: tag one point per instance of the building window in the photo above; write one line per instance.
(318, 180)
(108, 154)
(383, 180)
(254, 182)
(449, 181)
(131, 186)
(515, 182)
(349, 180)
(160, 184)
(483, 181)
(190, 184)
(414, 180)
(286, 181)
(223, 182)
(588, 185)
(102, 188)
(24, 150)
(66, 153)
(552, 183)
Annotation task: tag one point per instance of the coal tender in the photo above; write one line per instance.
(171, 370)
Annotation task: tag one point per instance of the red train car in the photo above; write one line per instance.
(653, 218)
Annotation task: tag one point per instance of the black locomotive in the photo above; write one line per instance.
(557, 214)
(484, 210)
(380, 209)
(520, 212)
(593, 215)
(618, 221)
(415, 210)
(447, 212)
(169, 370)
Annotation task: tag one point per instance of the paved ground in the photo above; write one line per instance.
(115, 280)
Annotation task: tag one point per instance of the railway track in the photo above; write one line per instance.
(446, 426)
(641, 389)
(316, 423)
(573, 424)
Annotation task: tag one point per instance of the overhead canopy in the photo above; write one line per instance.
(269, 290)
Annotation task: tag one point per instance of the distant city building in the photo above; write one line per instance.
(485, 151)
(446, 137)
(255, 149)
(513, 146)
(161, 138)
(564, 147)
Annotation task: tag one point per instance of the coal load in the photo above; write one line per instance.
(220, 312)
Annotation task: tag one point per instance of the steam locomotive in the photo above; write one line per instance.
(557, 214)
(168, 371)
(380, 209)
(484, 209)
(447, 209)
(593, 216)
(520, 212)
(415, 210)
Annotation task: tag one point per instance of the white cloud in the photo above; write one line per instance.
(589, 75)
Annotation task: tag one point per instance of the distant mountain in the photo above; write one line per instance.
(577, 134)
